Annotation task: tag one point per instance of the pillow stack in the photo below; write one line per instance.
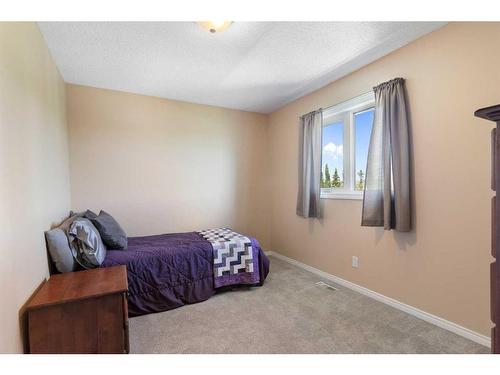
(82, 240)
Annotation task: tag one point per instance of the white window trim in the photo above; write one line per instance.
(341, 194)
(346, 110)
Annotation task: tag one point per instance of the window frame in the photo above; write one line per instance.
(346, 111)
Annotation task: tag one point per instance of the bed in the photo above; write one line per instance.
(170, 270)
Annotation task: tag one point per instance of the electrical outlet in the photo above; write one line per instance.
(355, 262)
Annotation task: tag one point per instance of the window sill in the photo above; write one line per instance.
(343, 195)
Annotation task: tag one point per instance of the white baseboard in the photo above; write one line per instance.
(433, 319)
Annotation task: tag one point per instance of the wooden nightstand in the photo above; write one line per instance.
(80, 312)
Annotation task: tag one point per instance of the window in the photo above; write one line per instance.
(347, 129)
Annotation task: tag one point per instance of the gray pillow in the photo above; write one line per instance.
(111, 232)
(59, 248)
(86, 243)
(89, 215)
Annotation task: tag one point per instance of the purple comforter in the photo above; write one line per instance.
(170, 270)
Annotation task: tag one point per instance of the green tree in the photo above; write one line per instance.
(321, 180)
(327, 177)
(361, 183)
(336, 179)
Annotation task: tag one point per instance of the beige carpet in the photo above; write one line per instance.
(290, 314)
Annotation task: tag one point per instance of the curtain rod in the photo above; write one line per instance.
(334, 105)
(366, 93)
(345, 101)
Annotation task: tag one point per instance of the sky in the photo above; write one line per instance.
(333, 147)
(363, 122)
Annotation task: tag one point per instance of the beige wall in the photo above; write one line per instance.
(34, 182)
(163, 166)
(442, 266)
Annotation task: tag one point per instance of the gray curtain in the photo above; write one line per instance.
(386, 201)
(310, 133)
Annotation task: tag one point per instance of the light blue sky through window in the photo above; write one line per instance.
(333, 148)
(363, 122)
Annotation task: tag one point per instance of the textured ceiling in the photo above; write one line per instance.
(253, 66)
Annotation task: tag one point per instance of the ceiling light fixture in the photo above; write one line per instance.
(215, 26)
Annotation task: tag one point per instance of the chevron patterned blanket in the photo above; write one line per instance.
(235, 258)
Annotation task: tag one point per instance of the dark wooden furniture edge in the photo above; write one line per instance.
(492, 113)
(23, 318)
(489, 113)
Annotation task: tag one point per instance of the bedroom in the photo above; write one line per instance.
(152, 132)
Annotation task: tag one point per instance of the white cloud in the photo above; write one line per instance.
(333, 150)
